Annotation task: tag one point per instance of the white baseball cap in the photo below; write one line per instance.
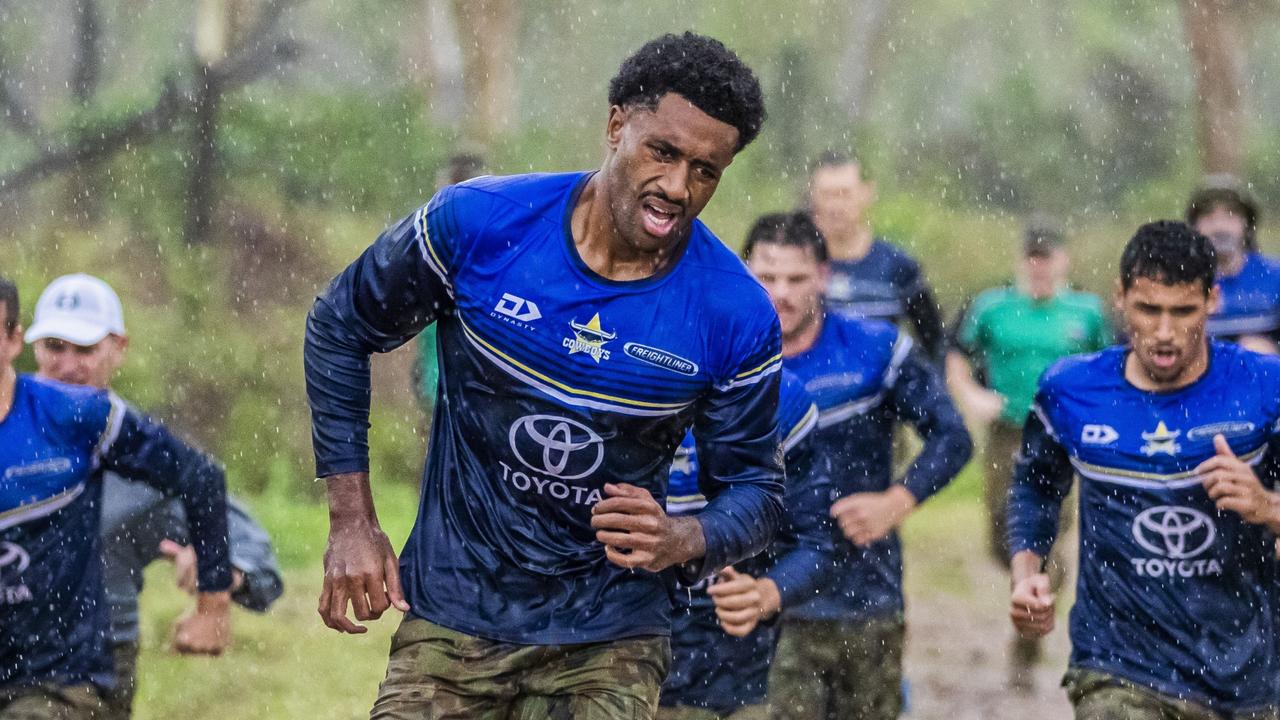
(79, 308)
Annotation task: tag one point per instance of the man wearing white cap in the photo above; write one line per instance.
(79, 338)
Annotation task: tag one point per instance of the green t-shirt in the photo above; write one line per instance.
(1015, 339)
(427, 373)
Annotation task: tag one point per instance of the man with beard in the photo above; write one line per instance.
(1248, 281)
(840, 655)
(1175, 439)
(586, 321)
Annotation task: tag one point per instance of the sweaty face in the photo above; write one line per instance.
(1166, 327)
(1225, 228)
(839, 197)
(664, 166)
(77, 364)
(795, 281)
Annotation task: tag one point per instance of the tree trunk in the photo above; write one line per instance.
(434, 60)
(488, 31)
(860, 60)
(1213, 37)
(84, 187)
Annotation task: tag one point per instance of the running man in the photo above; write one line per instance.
(1248, 281)
(723, 634)
(1012, 335)
(586, 321)
(54, 622)
(840, 655)
(1175, 440)
(79, 338)
(870, 277)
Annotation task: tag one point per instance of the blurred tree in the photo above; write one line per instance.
(434, 58)
(488, 33)
(1213, 36)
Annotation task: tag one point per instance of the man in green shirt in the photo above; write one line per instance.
(1002, 343)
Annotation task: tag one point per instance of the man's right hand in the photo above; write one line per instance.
(360, 567)
(1031, 604)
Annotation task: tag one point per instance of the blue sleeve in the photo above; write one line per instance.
(138, 447)
(1041, 480)
(919, 397)
(398, 286)
(804, 544)
(740, 459)
(252, 555)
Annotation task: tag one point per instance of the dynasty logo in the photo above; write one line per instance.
(589, 339)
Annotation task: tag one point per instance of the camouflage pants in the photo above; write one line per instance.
(119, 700)
(51, 702)
(684, 712)
(1099, 696)
(831, 670)
(439, 674)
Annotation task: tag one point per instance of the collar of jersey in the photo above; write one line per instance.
(1208, 370)
(591, 276)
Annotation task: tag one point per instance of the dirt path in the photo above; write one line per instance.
(959, 631)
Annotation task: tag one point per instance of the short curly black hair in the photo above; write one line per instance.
(701, 70)
(1170, 253)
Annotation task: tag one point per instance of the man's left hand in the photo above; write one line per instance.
(1233, 486)
(870, 516)
(206, 630)
(637, 532)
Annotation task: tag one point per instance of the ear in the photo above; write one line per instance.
(1117, 298)
(613, 128)
(1215, 299)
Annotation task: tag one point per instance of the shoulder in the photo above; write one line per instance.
(723, 284)
(873, 336)
(1259, 371)
(1078, 372)
(896, 258)
(1083, 300)
(82, 411)
(989, 300)
(485, 202)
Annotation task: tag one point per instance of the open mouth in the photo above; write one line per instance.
(659, 218)
(1164, 358)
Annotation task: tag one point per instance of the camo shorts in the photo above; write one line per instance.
(439, 674)
(1099, 696)
(52, 702)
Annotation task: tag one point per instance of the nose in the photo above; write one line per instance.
(1165, 329)
(674, 183)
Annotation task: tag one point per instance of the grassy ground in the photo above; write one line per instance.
(287, 665)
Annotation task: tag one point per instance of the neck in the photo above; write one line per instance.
(853, 245)
(1141, 379)
(8, 385)
(602, 247)
(803, 338)
(1231, 265)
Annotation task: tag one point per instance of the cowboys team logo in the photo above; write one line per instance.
(556, 446)
(13, 562)
(589, 339)
(1162, 440)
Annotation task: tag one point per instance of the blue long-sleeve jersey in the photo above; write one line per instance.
(553, 381)
(53, 614)
(1250, 300)
(1173, 594)
(866, 378)
(710, 668)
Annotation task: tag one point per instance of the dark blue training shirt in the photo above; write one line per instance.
(1250, 299)
(709, 668)
(1173, 594)
(887, 284)
(53, 614)
(554, 381)
(866, 378)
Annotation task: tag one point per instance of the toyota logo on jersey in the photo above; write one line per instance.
(556, 446)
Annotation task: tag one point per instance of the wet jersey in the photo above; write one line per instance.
(866, 378)
(1173, 594)
(887, 284)
(553, 381)
(1250, 299)
(53, 614)
(709, 668)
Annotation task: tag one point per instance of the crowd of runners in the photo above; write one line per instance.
(665, 480)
